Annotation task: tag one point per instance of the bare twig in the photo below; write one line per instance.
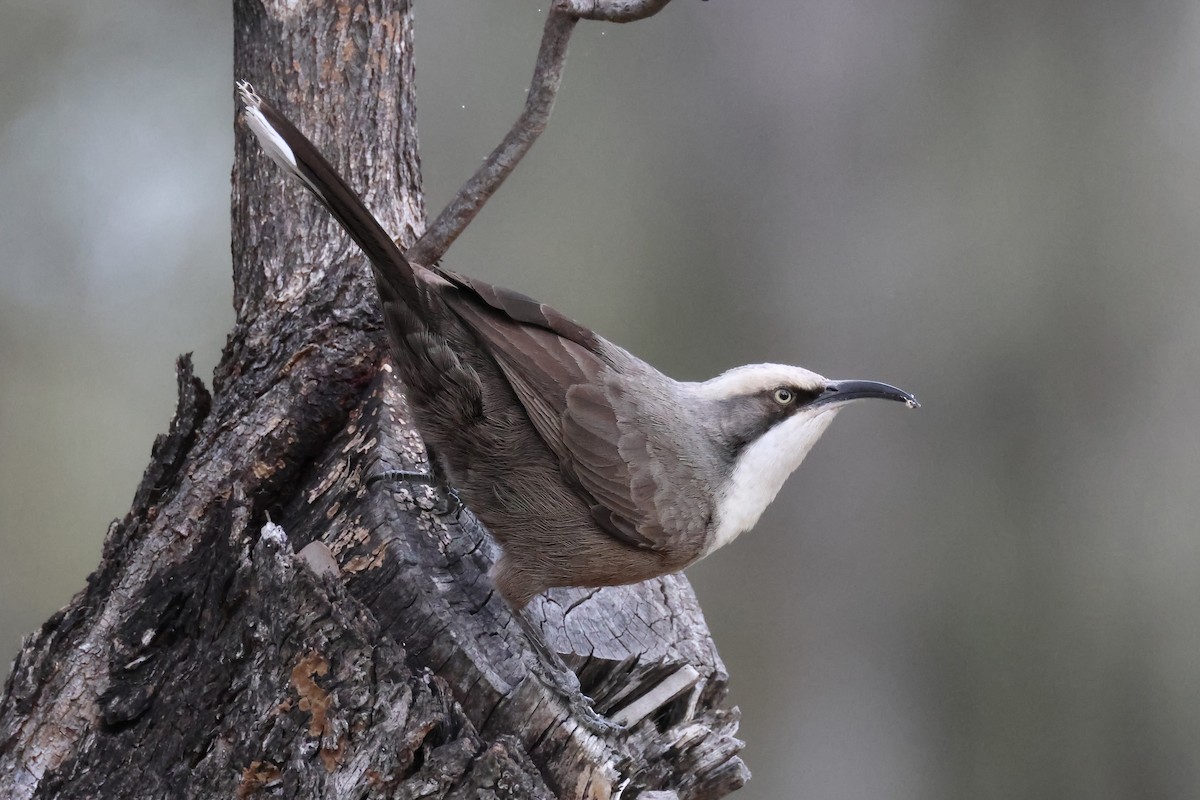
(614, 10)
(547, 76)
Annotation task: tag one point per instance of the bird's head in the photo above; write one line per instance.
(767, 417)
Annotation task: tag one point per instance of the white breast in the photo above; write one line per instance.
(760, 472)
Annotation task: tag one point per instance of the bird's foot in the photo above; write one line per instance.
(448, 502)
(555, 675)
(565, 684)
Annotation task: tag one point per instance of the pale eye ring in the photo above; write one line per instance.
(783, 395)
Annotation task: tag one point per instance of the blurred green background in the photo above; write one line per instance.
(993, 205)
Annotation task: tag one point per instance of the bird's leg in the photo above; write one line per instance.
(554, 673)
(448, 500)
(551, 670)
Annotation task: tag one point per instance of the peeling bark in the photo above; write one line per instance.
(264, 623)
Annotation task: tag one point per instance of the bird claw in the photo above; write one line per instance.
(550, 670)
(566, 686)
(553, 673)
(448, 502)
(400, 476)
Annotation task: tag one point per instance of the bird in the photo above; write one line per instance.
(588, 466)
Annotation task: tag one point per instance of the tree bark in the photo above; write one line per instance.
(264, 623)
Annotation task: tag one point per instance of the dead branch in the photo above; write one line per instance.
(539, 101)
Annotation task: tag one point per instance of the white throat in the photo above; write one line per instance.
(760, 472)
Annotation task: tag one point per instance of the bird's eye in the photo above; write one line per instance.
(783, 395)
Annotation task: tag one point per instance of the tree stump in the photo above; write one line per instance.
(266, 623)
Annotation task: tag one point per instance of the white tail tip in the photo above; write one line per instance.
(272, 143)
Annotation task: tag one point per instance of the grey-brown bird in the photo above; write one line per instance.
(589, 466)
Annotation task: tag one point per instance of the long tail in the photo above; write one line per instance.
(299, 157)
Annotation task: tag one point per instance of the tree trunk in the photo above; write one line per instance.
(265, 623)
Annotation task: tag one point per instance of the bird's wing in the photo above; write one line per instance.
(572, 398)
(554, 365)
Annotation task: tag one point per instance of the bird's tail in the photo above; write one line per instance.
(299, 157)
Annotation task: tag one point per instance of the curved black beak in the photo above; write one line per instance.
(845, 391)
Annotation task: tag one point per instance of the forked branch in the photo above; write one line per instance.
(614, 10)
(547, 77)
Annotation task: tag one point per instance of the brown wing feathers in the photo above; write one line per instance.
(553, 364)
(562, 387)
(521, 308)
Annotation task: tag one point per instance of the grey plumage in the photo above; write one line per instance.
(589, 466)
